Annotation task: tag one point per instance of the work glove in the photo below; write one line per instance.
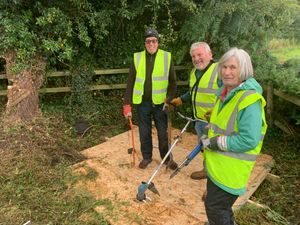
(214, 143)
(205, 141)
(167, 107)
(127, 111)
(176, 101)
(207, 115)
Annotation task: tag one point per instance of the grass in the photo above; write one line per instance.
(36, 181)
(284, 50)
(281, 198)
(286, 53)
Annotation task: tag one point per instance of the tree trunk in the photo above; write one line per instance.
(23, 88)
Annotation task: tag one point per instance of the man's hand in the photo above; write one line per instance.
(127, 111)
(176, 101)
(165, 107)
(208, 114)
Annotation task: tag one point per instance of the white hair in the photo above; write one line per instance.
(243, 59)
(197, 44)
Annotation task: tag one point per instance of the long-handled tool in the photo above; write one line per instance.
(132, 150)
(141, 196)
(187, 160)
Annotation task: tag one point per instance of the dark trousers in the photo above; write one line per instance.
(145, 111)
(218, 205)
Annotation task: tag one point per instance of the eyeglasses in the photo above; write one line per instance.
(154, 41)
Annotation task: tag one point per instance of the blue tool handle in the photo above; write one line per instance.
(193, 153)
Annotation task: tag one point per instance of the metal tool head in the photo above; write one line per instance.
(141, 196)
(190, 119)
(152, 188)
(175, 173)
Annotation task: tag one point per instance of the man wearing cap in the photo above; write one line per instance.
(203, 84)
(151, 86)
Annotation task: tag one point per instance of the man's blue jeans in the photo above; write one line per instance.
(199, 127)
(145, 111)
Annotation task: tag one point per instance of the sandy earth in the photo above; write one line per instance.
(180, 200)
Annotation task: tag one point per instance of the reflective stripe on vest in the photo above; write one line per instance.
(232, 169)
(206, 89)
(160, 76)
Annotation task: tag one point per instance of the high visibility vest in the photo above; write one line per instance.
(160, 76)
(205, 91)
(232, 169)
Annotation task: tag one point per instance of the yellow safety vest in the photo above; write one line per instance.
(205, 91)
(232, 169)
(160, 76)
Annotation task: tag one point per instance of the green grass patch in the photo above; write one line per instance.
(284, 49)
(45, 195)
(285, 54)
(281, 197)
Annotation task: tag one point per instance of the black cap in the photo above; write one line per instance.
(151, 32)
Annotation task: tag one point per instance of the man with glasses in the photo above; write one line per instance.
(151, 86)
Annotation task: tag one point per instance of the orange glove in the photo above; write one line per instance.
(176, 101)
(208, 114)
(127, 111)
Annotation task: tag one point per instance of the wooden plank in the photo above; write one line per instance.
(282, 127)
(272, 178)
(111, 71)
(182, 83)
(181, 68)
(270, 104)
(292, 99)
(181, 204)
(3, 92)
(261, 169)
(107, 86)
(92, 88)
(55, 90)
(58, 74)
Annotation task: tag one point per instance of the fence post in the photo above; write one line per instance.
(270, 103)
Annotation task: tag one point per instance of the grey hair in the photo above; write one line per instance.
(244, 62)
(197, 44)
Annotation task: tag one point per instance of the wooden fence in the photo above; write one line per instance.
(92, 87)
(269, 90)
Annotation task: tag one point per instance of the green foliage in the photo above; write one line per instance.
(247, 24)
(252, 215)
(284, 77)
(80, 80)
(56, 30)
(281, 196)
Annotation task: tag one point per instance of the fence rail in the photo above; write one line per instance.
(270, 91)
(92, 87)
